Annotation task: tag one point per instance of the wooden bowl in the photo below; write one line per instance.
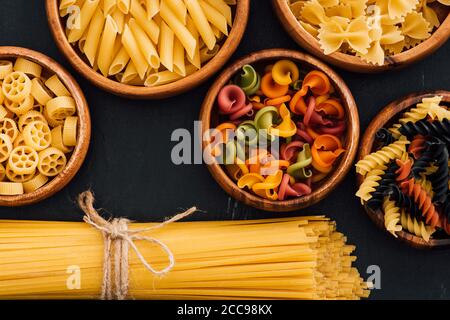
(355, 64)
(84, 128)
(342, 167)
(384, 119)
(140, 92)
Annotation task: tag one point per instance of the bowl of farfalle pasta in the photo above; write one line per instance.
(367, 35)
(147, 49)
(44, 127)
(280, 130)
(403, 169)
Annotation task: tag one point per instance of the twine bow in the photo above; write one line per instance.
(117, 240)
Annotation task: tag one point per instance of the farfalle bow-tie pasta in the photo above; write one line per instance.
(38, 126)
(369, 29)
(148, 42)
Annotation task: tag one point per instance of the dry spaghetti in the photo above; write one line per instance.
(290, 258)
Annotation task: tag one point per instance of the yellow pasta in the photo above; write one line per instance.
(22, 107)
(28, 67)
(35, 183)
(52, 161)
(119, 37)
(6, 67)
(11, 188)
(306, 258)
(37, 135)
(165, 77)
(26, 139)
(166, 46)
(57, 140)
(70, 131)
(85, 16)
(60, 107)
(40, 92)
(16, 86)
(23, 160)
(56, 86)
(106, 52)
(6, 147)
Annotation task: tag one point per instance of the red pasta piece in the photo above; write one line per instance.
(337, 129)
(296, 190)
(417, 146)
(288, 150)
(423, 201)
(404, 169)
(231, 99)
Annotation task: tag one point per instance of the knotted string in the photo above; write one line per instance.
(117, 240)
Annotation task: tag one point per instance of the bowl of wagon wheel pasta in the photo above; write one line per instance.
(367, 36)
(44, 127)
(147, 49)
(280, 130)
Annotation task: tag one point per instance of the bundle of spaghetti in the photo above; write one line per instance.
(286, 258)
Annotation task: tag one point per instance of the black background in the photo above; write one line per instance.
(129, 165)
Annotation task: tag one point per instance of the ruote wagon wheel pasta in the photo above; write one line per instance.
(38, 126)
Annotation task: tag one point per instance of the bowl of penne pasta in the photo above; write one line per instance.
(367, 36)
(45, 127)
(280, 130)
(147, 49)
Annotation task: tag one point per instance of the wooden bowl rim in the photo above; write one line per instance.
(352, 131)
(84, 128)
(140, 92)
(367, 141)
(353, 63)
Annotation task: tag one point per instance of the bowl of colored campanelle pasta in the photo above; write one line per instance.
(367, 35)
(403, 169)
(44, 127)
(280, 130)
(148, 49)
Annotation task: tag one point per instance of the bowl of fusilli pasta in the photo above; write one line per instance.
(403, 169)
(367, 36)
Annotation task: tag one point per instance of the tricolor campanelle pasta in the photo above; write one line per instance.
(38, 126)
(369, 29)
(281, 129)
(150, 42)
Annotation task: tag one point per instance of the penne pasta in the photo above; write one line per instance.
(123, 6)
(165, 77)
(182, 33)
(108, 7)
(93, 36)
(119, 18)
(146, 46)
(206, 54)
(178, 58)
(149, 26)
(87, 11)
(130, 73)
(106, 49)
(132, 48)
(152, 8)
(119, 63)
(214, 17)
(201, 22)
(179, 8)
(195, 60)
(166, 45)
(223, 8)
